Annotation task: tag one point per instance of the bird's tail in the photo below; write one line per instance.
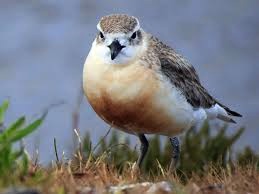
(227, 113)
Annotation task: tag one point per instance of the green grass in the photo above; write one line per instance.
(13, 161)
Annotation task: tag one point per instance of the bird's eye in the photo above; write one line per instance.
(101, 35)
(134, 35)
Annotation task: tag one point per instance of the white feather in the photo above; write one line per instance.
(214, 111)
(199, 116)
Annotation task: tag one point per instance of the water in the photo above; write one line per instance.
(44, 45)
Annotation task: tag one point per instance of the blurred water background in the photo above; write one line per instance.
(43, 45)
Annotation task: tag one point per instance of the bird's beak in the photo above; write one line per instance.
(115, 48)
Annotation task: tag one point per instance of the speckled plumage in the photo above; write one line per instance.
(181, 74)
(118, 23)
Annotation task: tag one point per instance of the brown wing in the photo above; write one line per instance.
(182, 75)
(186, 79)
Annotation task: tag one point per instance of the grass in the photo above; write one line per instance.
(11, 160)
(208, 164)
(66, 178)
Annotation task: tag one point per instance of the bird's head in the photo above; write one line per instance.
(119, 39)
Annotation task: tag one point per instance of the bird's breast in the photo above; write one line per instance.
(130, 98)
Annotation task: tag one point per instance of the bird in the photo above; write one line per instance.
(140, 85)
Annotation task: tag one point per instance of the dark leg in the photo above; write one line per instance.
(143, 148)
(176, 152)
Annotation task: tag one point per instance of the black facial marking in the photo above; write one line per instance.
(134, 35)
(135, 38)
(101, 35)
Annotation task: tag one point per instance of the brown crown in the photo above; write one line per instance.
(118, 23)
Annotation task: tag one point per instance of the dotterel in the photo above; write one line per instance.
(140, 85)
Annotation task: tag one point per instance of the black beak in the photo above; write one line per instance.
(115, 48)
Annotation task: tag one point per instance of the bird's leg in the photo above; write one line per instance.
(176, 152)
(143, 149)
